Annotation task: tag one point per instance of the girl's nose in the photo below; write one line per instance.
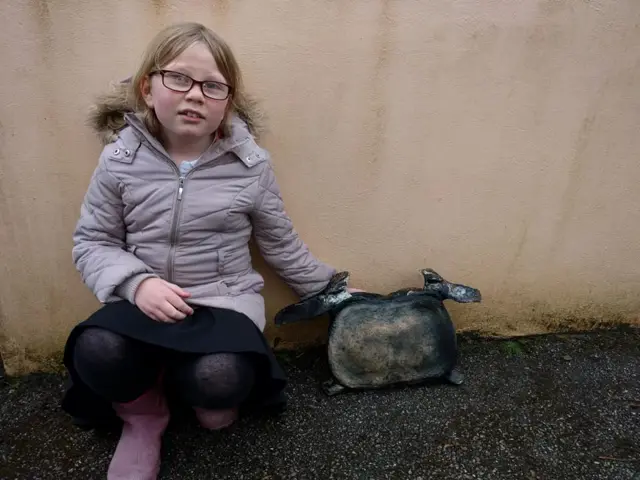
(195, 93)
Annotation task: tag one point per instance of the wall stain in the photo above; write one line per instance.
(519, 249)
(46, 48)
(550, 8)
(222, 6)
(42, 14)
(379, 79)
(575, 174)
(8, 236)
(159, 5)
(544, 43)
(221, 10)
(162, 11)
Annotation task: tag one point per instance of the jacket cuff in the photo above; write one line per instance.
(128, 288)
(324, 275)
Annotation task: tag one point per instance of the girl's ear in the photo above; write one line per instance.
(145, 90)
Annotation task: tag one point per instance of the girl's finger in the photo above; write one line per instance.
(178, 290)
(171, 312)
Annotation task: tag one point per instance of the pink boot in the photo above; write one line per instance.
(216, 419)
(137, 456)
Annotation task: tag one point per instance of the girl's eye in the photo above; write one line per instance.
(215, 90)
(177, 79)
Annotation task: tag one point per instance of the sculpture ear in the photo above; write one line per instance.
(431, 276)
(461, 293)
(336, 284)
(305, 310)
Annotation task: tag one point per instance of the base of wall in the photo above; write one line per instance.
(22, 361)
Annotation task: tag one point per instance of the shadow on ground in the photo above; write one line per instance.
(548, 407)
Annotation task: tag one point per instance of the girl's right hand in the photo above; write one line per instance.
(162, 301)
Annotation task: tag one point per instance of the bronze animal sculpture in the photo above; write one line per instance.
(375, 341)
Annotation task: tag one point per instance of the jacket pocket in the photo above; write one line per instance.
(234, 260)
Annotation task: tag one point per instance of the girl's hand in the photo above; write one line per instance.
(162, 301)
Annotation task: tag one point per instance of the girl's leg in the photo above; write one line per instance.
(127, 373)
(117, 368)
(214, 385)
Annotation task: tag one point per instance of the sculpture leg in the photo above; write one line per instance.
(331, 388)
(455, 377)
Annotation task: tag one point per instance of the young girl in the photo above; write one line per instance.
(162, 241)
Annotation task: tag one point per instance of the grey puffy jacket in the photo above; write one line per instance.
(141, 218)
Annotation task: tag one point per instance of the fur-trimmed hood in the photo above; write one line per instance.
(106, 115)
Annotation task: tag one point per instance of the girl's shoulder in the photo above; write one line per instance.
(251, 154)
(123, 147)
(244, 145)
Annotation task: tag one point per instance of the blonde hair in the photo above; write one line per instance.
(169, 43)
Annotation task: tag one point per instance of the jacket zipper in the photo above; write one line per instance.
(175, 222)
(180, 188)
(173, 234)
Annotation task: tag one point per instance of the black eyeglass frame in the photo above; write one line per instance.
(193, 82)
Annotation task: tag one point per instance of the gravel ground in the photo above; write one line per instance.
(548, 407)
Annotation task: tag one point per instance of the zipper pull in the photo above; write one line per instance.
(180, 188)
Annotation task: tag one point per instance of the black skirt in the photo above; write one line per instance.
(208, 330)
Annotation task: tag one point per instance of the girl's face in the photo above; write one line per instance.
(188, 116)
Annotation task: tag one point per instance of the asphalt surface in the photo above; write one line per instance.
(549, 407)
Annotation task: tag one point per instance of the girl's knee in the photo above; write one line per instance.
(99, 343)
(214, 381)
(223, 368)
(114, 366)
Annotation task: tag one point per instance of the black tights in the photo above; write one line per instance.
(121, 369)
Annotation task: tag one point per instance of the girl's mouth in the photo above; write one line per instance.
(191, 114)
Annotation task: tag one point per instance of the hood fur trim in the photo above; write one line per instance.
(106, 115)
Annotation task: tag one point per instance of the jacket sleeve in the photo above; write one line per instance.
(99, 248)
(281, 245)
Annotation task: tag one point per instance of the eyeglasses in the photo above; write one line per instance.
(179, 82)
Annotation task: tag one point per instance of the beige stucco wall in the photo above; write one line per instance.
(495, 141)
